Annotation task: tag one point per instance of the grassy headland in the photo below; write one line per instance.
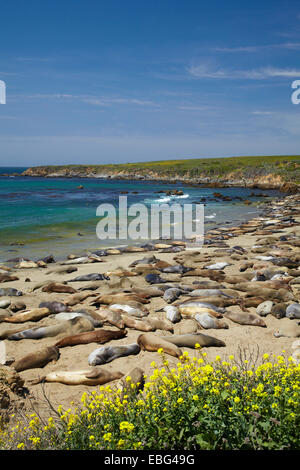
(278, 172)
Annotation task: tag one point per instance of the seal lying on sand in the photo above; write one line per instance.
(57, 287)
(139, 325)
(92, 376)
(31, 315)
(244, 318)
(289, 328)
(37, 359)
(55, 307)
(109, 353)
(66, 327)
(151, 342)
(96, 336)
(190, 340)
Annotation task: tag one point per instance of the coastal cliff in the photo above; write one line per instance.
(269, 172)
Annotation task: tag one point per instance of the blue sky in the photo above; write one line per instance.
(112, 82)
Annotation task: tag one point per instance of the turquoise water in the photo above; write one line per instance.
(41, 216)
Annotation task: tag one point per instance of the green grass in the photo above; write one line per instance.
(287, 167)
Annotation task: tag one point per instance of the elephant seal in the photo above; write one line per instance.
(4, 303)
(147, 292)
(77, 298)
(190, 340)
(92, 376)
(139, 325)
(90, 277)
(66, 327)
(112, 317)
(107, 354)
(59, 288)
(4, 314)
(172, 294)
(208, 321)
(190, 307)
(10, 292)
(245, 318)
(189, 326)
(37, 359)
(154, 279)
(279, 310)
(264, 308)
(96, 322)
(293, 311)
(110, 299)
(31, 315)
(151, 342)
(289, 328)
(8, 277)
(160, 324)
(135, 312)
(96, 336)
(173, 313)
(62, 270)
(136, 378)
(55, 307)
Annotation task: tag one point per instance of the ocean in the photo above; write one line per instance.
(43, 216)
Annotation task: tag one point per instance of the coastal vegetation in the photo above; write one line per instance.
(275, 171)
(245, 402)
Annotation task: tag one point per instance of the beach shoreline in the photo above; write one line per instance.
(280, 218)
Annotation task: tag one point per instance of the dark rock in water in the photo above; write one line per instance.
(278, 310)
(293, 311)
(48, 259)
(154, 279)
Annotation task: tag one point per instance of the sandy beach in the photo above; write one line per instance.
(275, 235)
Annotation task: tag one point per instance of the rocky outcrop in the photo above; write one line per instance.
(11, 392)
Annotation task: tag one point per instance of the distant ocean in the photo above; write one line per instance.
(41, 216)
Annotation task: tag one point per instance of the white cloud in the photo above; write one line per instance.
(205, 71)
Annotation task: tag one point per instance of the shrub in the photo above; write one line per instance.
(195, 405)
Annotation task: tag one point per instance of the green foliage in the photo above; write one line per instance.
(194, 405)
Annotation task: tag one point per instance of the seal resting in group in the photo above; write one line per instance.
(190, 340)
(37, 359)
(97, 336)
(109, 353)
(92, 376)
(151, 342)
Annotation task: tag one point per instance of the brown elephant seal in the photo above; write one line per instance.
(107, 354)
(139, 325)
(92, 376)
(4, 313)
(189, 326)
(207, 321)
(65, 327)
(8, 277)
(97, 336)
(190, 340)
(55, 307)
(160, 323)
(136, 378)
(112, 317)
(37, 359)
(79, 297)
(59, 288)
(109, 299)
(62, 270)
(279, 310)
(288, 328)
(17, 306)
(151, 342)
(245, 318)
(31, 315)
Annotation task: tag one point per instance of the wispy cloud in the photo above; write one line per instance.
(89, 99)
(205, 71)
(295, 46)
